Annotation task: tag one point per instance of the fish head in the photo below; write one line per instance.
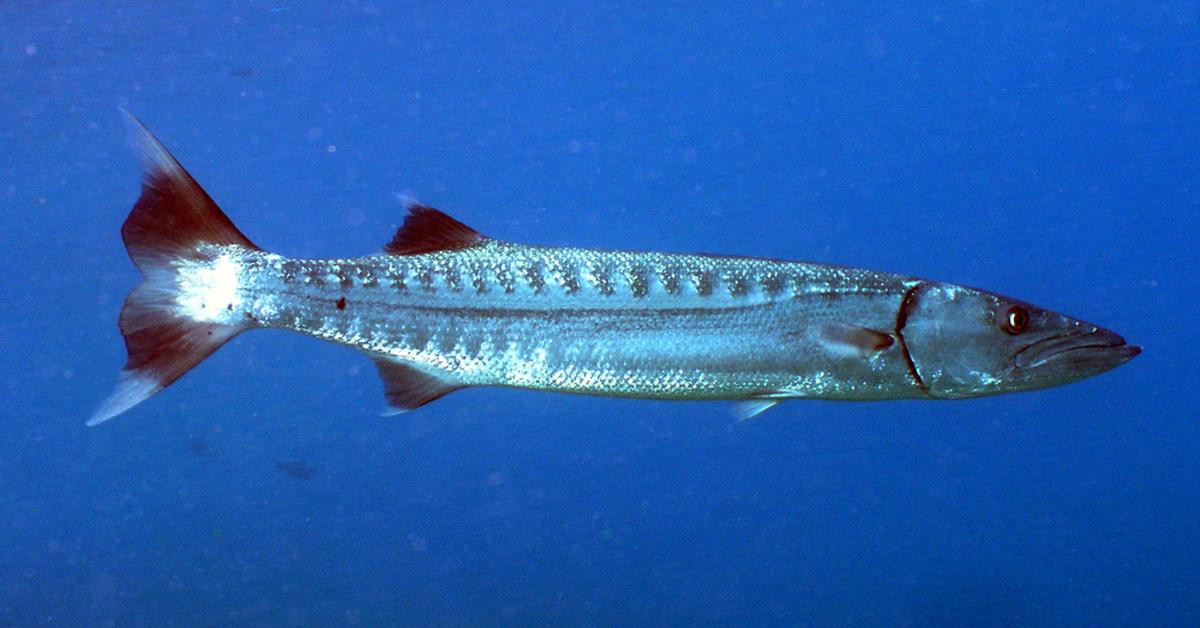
(964, 342)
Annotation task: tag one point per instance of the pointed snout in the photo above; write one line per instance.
(1080, 352)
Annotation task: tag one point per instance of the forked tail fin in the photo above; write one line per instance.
(169, 227)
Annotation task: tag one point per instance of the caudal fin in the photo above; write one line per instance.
(174, 225)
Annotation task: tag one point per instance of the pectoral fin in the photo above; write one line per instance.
(407, 388)
(852, 341)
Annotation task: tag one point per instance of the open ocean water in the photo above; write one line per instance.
(1047, 151)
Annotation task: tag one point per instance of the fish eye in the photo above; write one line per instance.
(1015, 320)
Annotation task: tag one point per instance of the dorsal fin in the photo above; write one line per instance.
(407, 388)
(426, 230)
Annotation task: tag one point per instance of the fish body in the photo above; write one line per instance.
(445, 307)
(574, 320)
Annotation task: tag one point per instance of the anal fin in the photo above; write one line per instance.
(408, 388)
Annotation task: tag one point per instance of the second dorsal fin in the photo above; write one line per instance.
(426, 230)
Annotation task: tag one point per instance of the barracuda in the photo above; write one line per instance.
(444, 307)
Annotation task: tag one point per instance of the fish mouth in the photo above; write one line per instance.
(1090, 351)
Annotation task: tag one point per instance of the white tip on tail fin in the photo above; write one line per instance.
(166, 233)
(132, 389)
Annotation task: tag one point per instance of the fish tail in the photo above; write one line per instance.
(173, 227)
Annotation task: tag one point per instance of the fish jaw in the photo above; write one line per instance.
(1091, 352)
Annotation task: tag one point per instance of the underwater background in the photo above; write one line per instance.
(1046, 151)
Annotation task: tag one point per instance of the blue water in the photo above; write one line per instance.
(1045, 152)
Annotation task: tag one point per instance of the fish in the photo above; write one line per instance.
(201, 446)
(443, 307)
(298, 469)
